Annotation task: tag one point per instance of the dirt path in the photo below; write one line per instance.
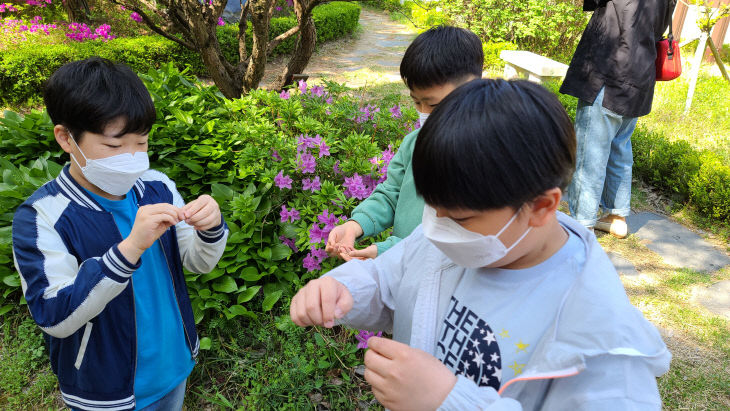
(371, 55)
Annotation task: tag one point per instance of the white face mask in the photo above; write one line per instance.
(116, 174)
(422, 117)
(465, 248)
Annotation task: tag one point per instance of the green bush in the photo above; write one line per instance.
(548, 27)
(23, 71)
(233, 150)
(492, 50)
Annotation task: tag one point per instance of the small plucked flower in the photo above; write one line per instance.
(282, 181)
(363, 336)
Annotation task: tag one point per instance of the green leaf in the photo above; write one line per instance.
(205, 343)
(217, 272)
(221, 193)
(265, 253)
(237, 310)
(5, 308)
(270, 300)
(225, 285)
(12, 280)
(251, 274)
(248, 294)
(289, 230)
(280, 252)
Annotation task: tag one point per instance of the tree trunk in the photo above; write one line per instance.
(260, 19)
(306, 41)
(224, 75)
(77, 11)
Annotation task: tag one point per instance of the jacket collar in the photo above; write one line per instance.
(73, 190)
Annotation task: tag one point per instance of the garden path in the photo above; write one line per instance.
(370, 56)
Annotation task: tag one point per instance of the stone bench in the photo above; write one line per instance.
(534, 67)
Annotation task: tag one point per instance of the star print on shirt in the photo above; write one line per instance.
(517, 368)
(521, 346)
(467, 345)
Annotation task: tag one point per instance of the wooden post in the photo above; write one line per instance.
(680, 14)
(718, 32)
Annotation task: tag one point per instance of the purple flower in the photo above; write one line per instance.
(324, 149)
(278, 8)
(276, 156)
(364, 335)
(388, 154)
(395, 112)
(328, 101)
(282, 181)
(356, 187)
(290, 3)
(310, 263)
(317, 234)
(317, 91)
(289, 242)
(136, 17)
(303, 86)
(292, 214)
(306, 163)
(311, 185)
(221, 22)
(284, 95)
(336, 168)
(319, 254)
(329, 220)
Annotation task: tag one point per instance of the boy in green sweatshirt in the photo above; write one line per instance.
(437, 62)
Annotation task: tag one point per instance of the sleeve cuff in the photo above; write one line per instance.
(366, 223)
(466, 395)
(215, 234)
(116, 267)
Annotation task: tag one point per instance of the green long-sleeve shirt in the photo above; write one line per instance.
(394, 202)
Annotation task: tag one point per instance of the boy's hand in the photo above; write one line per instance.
(370, 251)
(343, 235)
(150, 223)
(320, 302)
(406, 378)
(202, 213)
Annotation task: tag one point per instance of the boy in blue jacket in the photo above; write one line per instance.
(100, 250)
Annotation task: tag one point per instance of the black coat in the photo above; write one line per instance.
(618, 51)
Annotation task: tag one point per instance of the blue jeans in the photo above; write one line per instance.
(603, 163)
(172, 401)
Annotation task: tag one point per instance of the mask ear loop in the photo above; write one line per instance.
(86, 160)
(508, 224)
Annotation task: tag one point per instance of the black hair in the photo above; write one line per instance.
(89, 94)
(492, 144)
(440, 55)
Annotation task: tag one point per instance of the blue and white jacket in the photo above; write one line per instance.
(79, 287)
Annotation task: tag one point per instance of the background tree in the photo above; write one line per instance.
(193, 24)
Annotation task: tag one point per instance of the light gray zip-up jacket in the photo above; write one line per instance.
(599, 353)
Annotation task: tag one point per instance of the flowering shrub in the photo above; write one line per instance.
(82, 32)
(285, 169)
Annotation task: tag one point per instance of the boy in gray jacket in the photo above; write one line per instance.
(497, 301)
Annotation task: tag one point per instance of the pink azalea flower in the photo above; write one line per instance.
(282, 181)
(363, 336)
(303, 86)
(310, 263)
(221, 22)
(311, 185)
(292, 215)
(284, 95)
(306, 163)
(136, 17)
(276, 156)
(289, 242)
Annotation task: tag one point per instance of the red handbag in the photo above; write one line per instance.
(668, 60)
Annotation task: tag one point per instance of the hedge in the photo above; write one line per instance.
(22, 71)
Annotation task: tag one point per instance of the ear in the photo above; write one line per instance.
(63, 138)
(543, 208)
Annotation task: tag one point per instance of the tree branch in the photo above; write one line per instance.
(282, 37)
(154, 27)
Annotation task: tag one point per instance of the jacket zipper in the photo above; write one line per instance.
(134, 311)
